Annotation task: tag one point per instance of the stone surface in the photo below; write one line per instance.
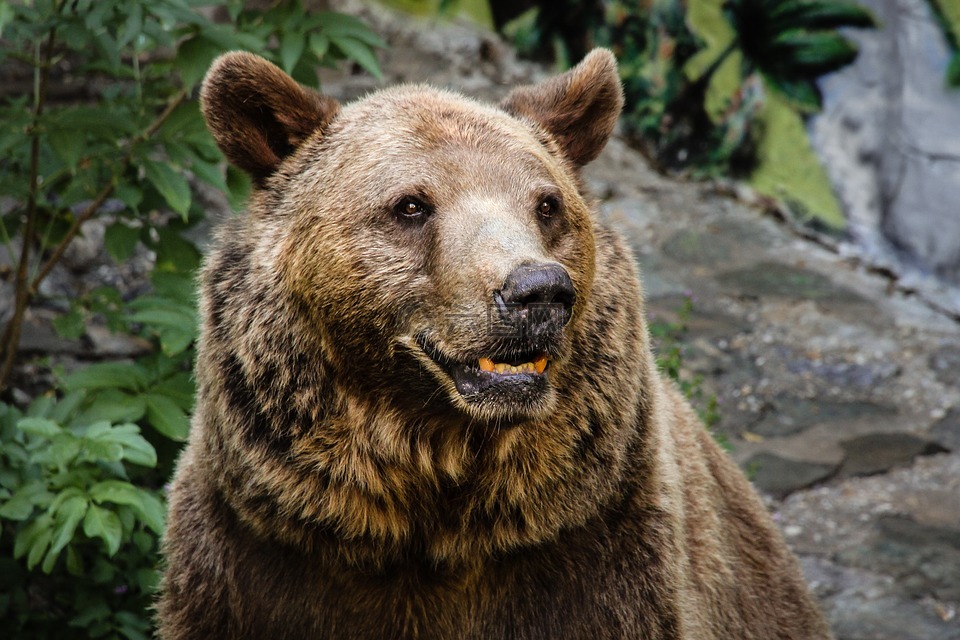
(790, 415)
(887, 137)
(879, 452)
(781, 476)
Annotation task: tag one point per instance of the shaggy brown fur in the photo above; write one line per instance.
(344, 479)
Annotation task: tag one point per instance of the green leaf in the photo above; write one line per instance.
(104, 524)
(360, 52)
(30, 534)
(68, 144)
(113, 406)
(292, 44)
(107, 375)
(149, 509)
(74, 562)
(152, 513)
(39, 427)
(21, 505)
(136, 449)
(953, 71)
(6, 14)
(193, 59)
(67, 406)
(167, 417)
(39, 542)
(340, 24)
(171, 185)
(70, 325)
(814, 15)
(63, 449)
(117, 492)
(121, 240)
(811, 54)
(67, 517)
(803, 95)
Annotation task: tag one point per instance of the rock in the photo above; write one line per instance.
(887, 139)
(945, 362)
(946, 431)
(879, 452)
(776, 279)
(844, 374)
(791, 415)
(780, 476)
(924, 559)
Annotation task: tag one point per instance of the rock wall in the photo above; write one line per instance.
(890, 139)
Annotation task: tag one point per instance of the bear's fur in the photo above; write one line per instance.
(353, 471)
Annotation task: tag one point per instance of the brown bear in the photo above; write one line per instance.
(427, 403)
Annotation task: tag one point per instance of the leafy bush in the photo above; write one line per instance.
(120, 141)
(782, 45)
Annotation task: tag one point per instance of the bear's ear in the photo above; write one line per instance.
(258, 114)
(578, 108)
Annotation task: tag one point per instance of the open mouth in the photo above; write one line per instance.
(518, 377)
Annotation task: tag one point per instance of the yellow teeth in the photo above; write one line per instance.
(537, 366)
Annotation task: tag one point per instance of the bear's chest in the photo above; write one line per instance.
(542, 593)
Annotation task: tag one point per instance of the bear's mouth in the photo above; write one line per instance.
(517, 377)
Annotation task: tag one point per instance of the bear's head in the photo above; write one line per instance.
(426, 232)
(419, 335)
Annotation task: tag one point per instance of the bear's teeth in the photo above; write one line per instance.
(537, 366)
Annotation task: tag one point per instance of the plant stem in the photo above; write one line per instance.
(11, 335)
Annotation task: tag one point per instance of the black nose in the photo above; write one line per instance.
(541, 296)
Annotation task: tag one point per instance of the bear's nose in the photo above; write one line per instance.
(542, 295)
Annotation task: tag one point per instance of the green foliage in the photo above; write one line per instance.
(669, 337)
(947, 13)
(765, 50)
(81, 505)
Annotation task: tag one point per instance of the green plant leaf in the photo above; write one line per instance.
(814, 15)
(171, 185)
(340, 24)
(152, 513)
(66, 519)
(193, 59)
(112, 405)
(20, 506)
(68, 144)
(107, 375)
(953, 71)
(71, 325)
(104, 524)
(39, 427)
(812, 54)
(136, 449)
(802, 94)
(292, 44)
(360, 52)
(67, 406)
(121, 240)
(167, 417)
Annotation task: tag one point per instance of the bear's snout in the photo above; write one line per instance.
(536, 298)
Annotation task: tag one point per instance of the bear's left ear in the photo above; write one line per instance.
(578, 108)
(258, 114)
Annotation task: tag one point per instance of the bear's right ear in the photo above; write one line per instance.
(258, 114)
(578, 108)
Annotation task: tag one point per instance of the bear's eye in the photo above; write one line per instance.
(411, 208)
(548, 207)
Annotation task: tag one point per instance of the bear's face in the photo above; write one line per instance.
(438, 247)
